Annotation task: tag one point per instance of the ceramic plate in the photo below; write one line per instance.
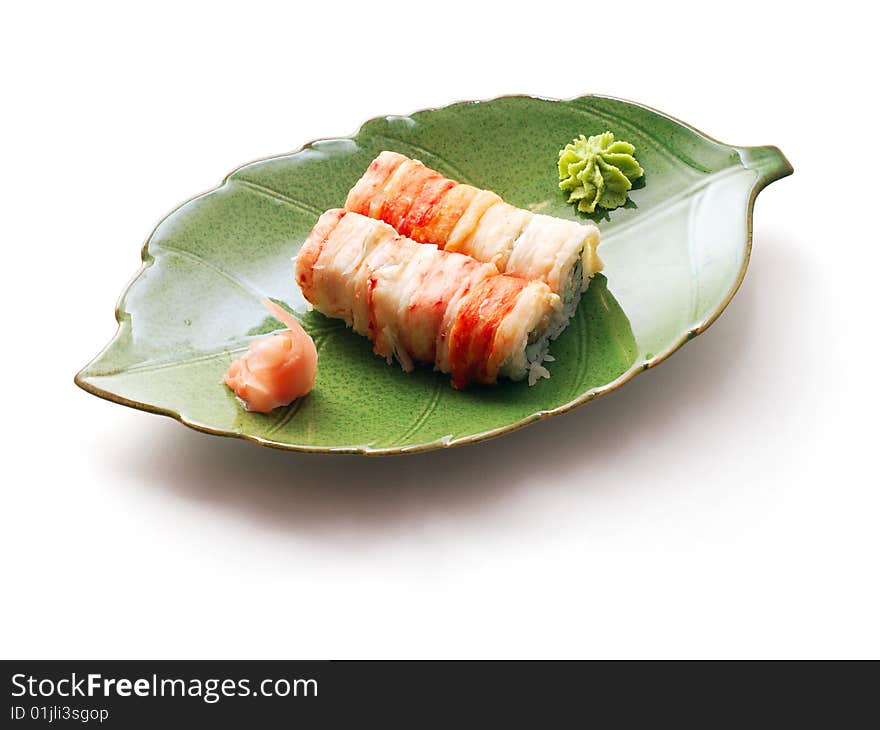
(674, 256)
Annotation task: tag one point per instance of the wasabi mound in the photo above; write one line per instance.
(598, 171)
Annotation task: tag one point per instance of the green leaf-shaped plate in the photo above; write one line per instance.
(674, 256)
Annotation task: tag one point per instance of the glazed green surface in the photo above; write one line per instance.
(673, 257)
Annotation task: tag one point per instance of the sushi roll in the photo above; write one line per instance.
(420, 304)
(429, 208)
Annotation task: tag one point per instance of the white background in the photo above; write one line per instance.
(722, 505)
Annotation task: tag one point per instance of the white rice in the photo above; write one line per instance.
(536, 350)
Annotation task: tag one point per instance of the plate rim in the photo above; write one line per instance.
(781, 169)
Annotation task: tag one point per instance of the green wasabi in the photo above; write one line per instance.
(598, 171)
